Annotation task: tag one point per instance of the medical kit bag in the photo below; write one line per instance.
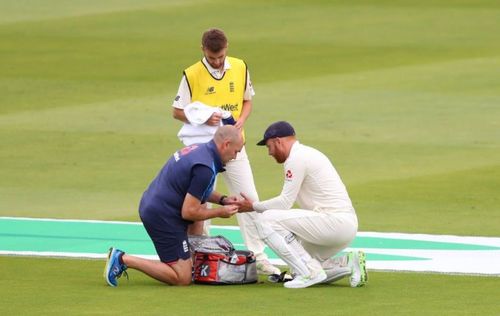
(216, 262)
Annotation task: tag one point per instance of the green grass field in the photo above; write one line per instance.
(403, 96)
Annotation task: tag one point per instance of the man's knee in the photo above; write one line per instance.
(183, 281)
(183, 272)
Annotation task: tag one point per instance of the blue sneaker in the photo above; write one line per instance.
(114, 268)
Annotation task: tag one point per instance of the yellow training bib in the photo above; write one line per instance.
(225, 93)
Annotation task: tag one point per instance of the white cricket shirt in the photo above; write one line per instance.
(311, 181)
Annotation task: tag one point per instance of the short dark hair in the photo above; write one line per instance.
(214, 40)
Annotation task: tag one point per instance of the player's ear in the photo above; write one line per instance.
(281, 143)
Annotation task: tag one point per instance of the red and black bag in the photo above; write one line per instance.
(215, 261)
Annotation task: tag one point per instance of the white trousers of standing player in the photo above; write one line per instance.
(322, 234)
(239, 178)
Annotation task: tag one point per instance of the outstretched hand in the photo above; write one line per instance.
(245, 204)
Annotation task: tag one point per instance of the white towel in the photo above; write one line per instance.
(197, 131)
(198, 113)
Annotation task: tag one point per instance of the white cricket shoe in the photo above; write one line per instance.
(334, 275)
(302, 281)
(265, 267)
(317, 275)
(359, 274)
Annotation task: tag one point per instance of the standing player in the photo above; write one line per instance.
(224, 82)
(326, 222)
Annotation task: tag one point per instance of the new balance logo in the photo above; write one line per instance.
(210, 90)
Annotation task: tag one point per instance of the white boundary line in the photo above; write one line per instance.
(473, 240)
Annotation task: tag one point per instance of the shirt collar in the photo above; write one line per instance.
(212, 70)
(295, 147)
(219, 167)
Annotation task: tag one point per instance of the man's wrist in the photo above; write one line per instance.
(256, 207)
(221, 200)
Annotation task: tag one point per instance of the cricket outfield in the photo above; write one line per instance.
(402, 96)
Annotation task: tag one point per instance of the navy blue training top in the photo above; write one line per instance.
(190, 170)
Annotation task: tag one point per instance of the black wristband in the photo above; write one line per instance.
(221, 200)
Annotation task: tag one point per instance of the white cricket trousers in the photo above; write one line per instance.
(322, 234)
(239, 178)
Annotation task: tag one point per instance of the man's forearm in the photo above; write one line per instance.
(179, 114)
(245, 110)
(217, 198)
